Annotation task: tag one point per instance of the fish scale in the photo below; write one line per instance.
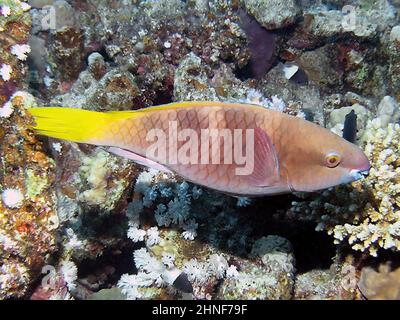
(195, 118)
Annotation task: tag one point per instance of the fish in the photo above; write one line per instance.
(350, 127)
(241, 149)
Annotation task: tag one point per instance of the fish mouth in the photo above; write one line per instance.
(359, 174)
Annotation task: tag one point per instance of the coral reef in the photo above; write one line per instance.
(15, 23)
(28, 218)
(126, 232)
(169, 251)
(147, 39)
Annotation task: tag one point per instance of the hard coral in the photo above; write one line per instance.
(366, 214)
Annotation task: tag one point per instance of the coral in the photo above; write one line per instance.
(388, 111)
(297, 97)
(6, 110)
(337, 118)
(243, 202)
(124, 232)
(241, 279)
(366, 213)
(97, 171)
(91, 189)
(12, 198)
(108, 294)
(59, 282)
(42, 12)
(69, 273)
(395, 34)
(15, 24)
(320, 66)
(97, 65)
(273, 14)
(150, 272)
(115, 90)
(28, 218)
(21, 51)
(66, 49)
(190, 67)
(322, 22)
(6, 72)
(332, 43)
(159, 37)
(393, 48)
(337, 283)
(192, 83)
(181, 205)
(380, 285)
(161, 199)
(273, 279)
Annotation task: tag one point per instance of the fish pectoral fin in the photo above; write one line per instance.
(266, 164)
(138, 159)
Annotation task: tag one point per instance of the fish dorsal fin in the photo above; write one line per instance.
(139, 159)
(198, 104)
(266, 163)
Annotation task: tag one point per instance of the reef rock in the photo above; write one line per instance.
(273, 14)
(337, 118)
(28, 216)
(380, 285)
(274, 279)
(337, 283)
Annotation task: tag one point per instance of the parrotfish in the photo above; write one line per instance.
(255, 152)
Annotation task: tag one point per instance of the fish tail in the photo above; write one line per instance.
(76, 124)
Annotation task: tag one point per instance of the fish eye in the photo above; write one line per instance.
(332, 159)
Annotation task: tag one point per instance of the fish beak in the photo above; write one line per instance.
(358, 174)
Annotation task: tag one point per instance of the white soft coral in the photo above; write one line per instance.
(12, 198)
(5, 72)
(21, 51)
(6, 110)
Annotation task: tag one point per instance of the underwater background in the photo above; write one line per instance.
(77, 222)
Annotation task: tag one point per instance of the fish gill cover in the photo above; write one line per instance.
(77, 222)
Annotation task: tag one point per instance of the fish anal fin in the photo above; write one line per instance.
(139, 159)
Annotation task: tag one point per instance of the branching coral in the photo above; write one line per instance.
(366, 214)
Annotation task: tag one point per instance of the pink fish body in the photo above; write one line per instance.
(234, 148)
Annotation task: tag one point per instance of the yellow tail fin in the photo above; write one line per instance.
(75, 124)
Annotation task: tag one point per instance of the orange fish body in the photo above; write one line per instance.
(234, 148)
